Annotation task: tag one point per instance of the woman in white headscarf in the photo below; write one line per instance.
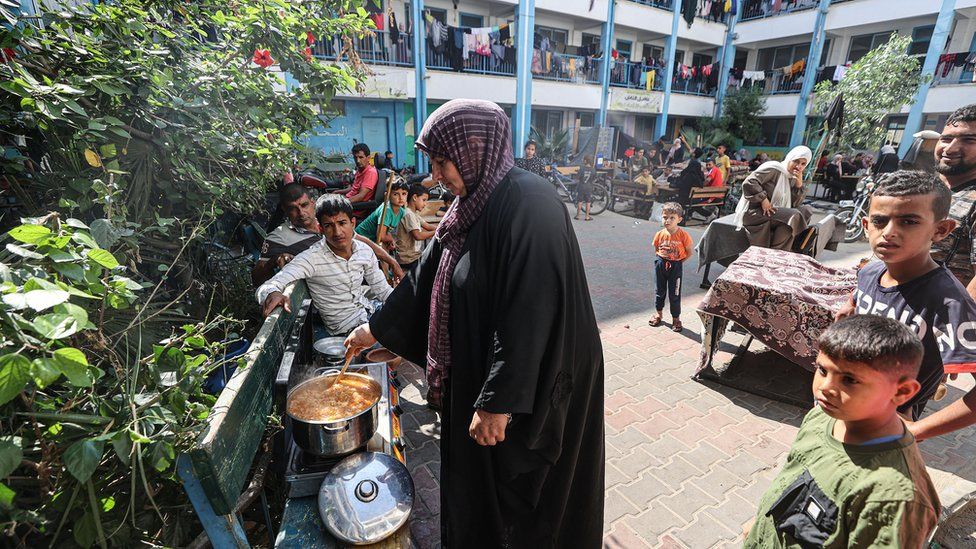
(770, 209)
(676, 153)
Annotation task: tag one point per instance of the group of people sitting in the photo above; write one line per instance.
(342, 269)
(834, 168)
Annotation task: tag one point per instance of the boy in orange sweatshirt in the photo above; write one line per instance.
(673, 246)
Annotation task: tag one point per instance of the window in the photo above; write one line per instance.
(782, 56)
(471, 21)
(825, 52)
(896, 129)
(437, 13)
(547, 123)
(679, 56)
(700, 59)
(558, 38)
(586, 119)
(775, 132)
(644, 128)
(654, 52)
(921, 36)
(740, 59)
(624, 47)
(861, 45)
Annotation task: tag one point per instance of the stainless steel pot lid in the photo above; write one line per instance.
(331, 347)
(366, 497)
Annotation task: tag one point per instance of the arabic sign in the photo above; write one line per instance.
(635, 100)
(387, 85)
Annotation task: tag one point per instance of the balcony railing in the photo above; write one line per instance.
(378, 49)
(569, 68)
(475, 63)
(758, 9)
(955, 75)
(666, 5)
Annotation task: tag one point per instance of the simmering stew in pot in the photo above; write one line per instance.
(317, 401)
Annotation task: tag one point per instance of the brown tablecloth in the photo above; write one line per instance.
(784, 300)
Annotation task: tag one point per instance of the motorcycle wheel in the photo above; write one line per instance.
(854, 229)
(601, 199)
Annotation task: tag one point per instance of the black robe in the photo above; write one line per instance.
(525, 342)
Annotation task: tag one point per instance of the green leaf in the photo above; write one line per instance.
(55, 326)
(40, 300)
(70, 309)
(136, 437)
(81, 459)
(44, 371)
(29, 234)
(123, 446)
(23, 252)
(162, 456)
(103, 258)
(14, 375)
(171, 360)
(97, 126)
(84, 239)
(76, 223)
(114, 121)
(84, 530)
(74, 364)
(196, 342)
(107, 504)
(15, 301)
(6, 496)
(74, 106)
(71, 270)
(11, 455)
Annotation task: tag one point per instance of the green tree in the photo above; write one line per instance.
(880, 83)
(741, 111)
(147, 120)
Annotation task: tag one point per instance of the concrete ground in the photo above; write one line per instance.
(686, 461)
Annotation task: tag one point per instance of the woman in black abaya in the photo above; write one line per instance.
(499, 311)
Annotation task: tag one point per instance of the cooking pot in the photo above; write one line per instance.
(335, 437)
(331, 350)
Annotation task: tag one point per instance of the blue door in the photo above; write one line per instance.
(376, 133)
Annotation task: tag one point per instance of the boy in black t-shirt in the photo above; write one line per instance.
(908, 213)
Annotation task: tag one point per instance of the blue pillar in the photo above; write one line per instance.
(727, 60)
(522, 114)
(672, 46)
(420, 73)
(810, 76)
(939, 37)
(607, 44)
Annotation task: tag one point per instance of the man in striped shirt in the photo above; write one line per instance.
(334, 270)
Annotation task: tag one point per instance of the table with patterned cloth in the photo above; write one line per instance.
(783, 299)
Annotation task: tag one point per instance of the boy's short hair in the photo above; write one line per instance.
(882, 343)
(416, 190)
(333, 205)
(399, 186)
(916, 183)
(672, 208)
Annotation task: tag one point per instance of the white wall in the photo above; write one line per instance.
(778, 106)
(691, 105)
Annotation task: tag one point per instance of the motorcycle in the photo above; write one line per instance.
(851, 213)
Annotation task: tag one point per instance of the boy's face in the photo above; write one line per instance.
(419, 202)
(670, 220)
(338, 230)
(902, 227)
(854, 391)
(645, 172)
(398, 198)
(721, 150)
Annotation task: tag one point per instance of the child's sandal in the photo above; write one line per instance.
(654, 322)
(676, 326)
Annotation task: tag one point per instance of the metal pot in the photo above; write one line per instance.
(331, 351)
(338, 437)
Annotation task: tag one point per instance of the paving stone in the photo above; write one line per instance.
(654, 521)
(704, 456)
(733, 512)
(645, 489)
(704, 532)
(688, 501)
(634, 463)
(617, 506)
(623, 537)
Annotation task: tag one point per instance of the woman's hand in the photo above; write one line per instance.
(767, 208)
(360, 338)
(488, 429)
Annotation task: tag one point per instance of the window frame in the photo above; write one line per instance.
(462, 15)
(550, 32)
(630, 49)
(872, 36)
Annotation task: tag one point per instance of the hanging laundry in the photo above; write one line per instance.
(839, 72)
(504, 33)
(649, 80)
(394, 29)
(455, 48)
(470, 44)
(688, 8)
(825, 74)
(497, 55)
(377, 20)
(482, 41)
(572, 68)
(735, 7)
(536, 61)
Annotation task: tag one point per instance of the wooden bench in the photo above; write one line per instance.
(636, 192)
(706, 200)
(215, 469)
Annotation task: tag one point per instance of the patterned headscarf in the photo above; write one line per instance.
(477, 137)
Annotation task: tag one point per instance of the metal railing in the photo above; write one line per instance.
(759, 9)
(666, 5)
(563, 67)
(476, 63)
(955, 75)
(378, 49)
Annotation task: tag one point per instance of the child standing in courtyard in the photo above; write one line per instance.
(672, 246)
(413, 230)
